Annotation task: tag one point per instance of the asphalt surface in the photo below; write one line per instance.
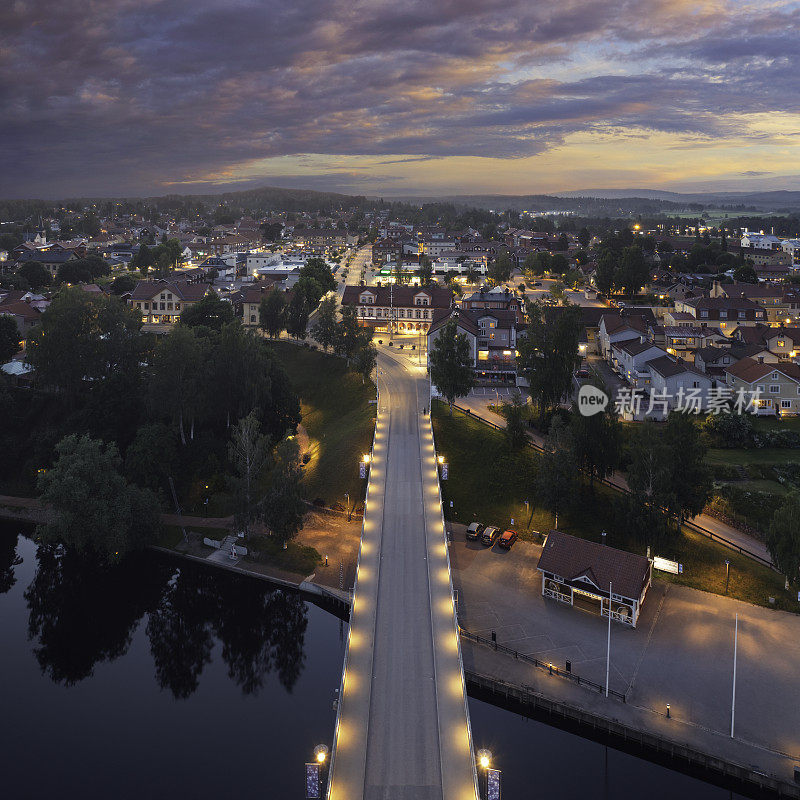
(403, 729)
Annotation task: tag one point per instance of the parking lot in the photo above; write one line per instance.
(681, 652)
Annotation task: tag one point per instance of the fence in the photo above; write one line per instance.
(747, 780)
(551, 669)
(617, 488)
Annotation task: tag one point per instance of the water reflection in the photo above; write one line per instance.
(8, 560)
(259, 631)
(82, 614)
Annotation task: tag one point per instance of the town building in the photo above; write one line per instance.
(777, 385)
(161, 302)
(594, 577)
(404, 309)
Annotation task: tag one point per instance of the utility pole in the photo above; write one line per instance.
(608, 644)
(735, 647)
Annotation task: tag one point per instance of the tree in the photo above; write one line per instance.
(151, 456)
(284, 508)
(248, 452)
(324, 329)
(516, 433)
(398, 272)
(318, 270)
(472, 273)
(548, 355)
(174, 374)
(271, 231)
(84, 338)
(122, 284)
(555, 478)
(297, 313)
(9, 338)
(558, 264)
(35, 274)
(143, 260)
(641, 511)
(272, 313)
(210, 312)
(562, 243)
(83, 270)
(745, 274)
(597, 442)
(632, 272)
(606, 271)
(688, 479)
(500, 269)
(425, 270)
(584, 237)
(783, 538)
(90, 506)
(451, 364)
(366, 356)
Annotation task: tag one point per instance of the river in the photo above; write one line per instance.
(160, 679)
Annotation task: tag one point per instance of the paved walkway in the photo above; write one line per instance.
(680, 653)
(403, 729)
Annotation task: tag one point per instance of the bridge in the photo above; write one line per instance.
(402, 729)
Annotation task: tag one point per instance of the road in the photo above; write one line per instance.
(403, 729)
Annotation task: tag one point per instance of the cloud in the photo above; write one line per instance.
(127, 96)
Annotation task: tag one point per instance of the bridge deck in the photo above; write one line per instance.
(403, 729)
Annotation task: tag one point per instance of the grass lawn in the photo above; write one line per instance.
(172, 535)
(763, 424)
(766, 455)
(296, 557)
(489, 483)
(338, 418)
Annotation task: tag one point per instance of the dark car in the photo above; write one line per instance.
(489, 535)
(474, 530)
(508, 538)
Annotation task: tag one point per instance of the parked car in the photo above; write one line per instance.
(583, 372)
(508, 538)
(489, 535)
(474, 530)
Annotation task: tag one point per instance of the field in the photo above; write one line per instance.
(337, 418)
(489, 483)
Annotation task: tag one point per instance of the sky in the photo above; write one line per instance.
(388, 97)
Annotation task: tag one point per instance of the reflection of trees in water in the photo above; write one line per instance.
(260, 631)
(82, 613)
(8, 560)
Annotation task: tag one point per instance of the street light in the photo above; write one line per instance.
(727, 573)
(484, 758)
(321, 753)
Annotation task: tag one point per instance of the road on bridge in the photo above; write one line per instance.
(403, 727)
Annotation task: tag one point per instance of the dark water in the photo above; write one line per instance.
(162, 679)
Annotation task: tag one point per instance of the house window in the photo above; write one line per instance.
(723, 314)
(742, 315)
(162, 305)
(786, 403)
(704, 314)
(760, 389)
(402, 312)
(774, 376)
(774, 388)
(169, 306)
(252, 318)
(781, 343)
(163, 297)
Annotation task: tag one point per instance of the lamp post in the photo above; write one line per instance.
(727, 573)
(347, 505)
